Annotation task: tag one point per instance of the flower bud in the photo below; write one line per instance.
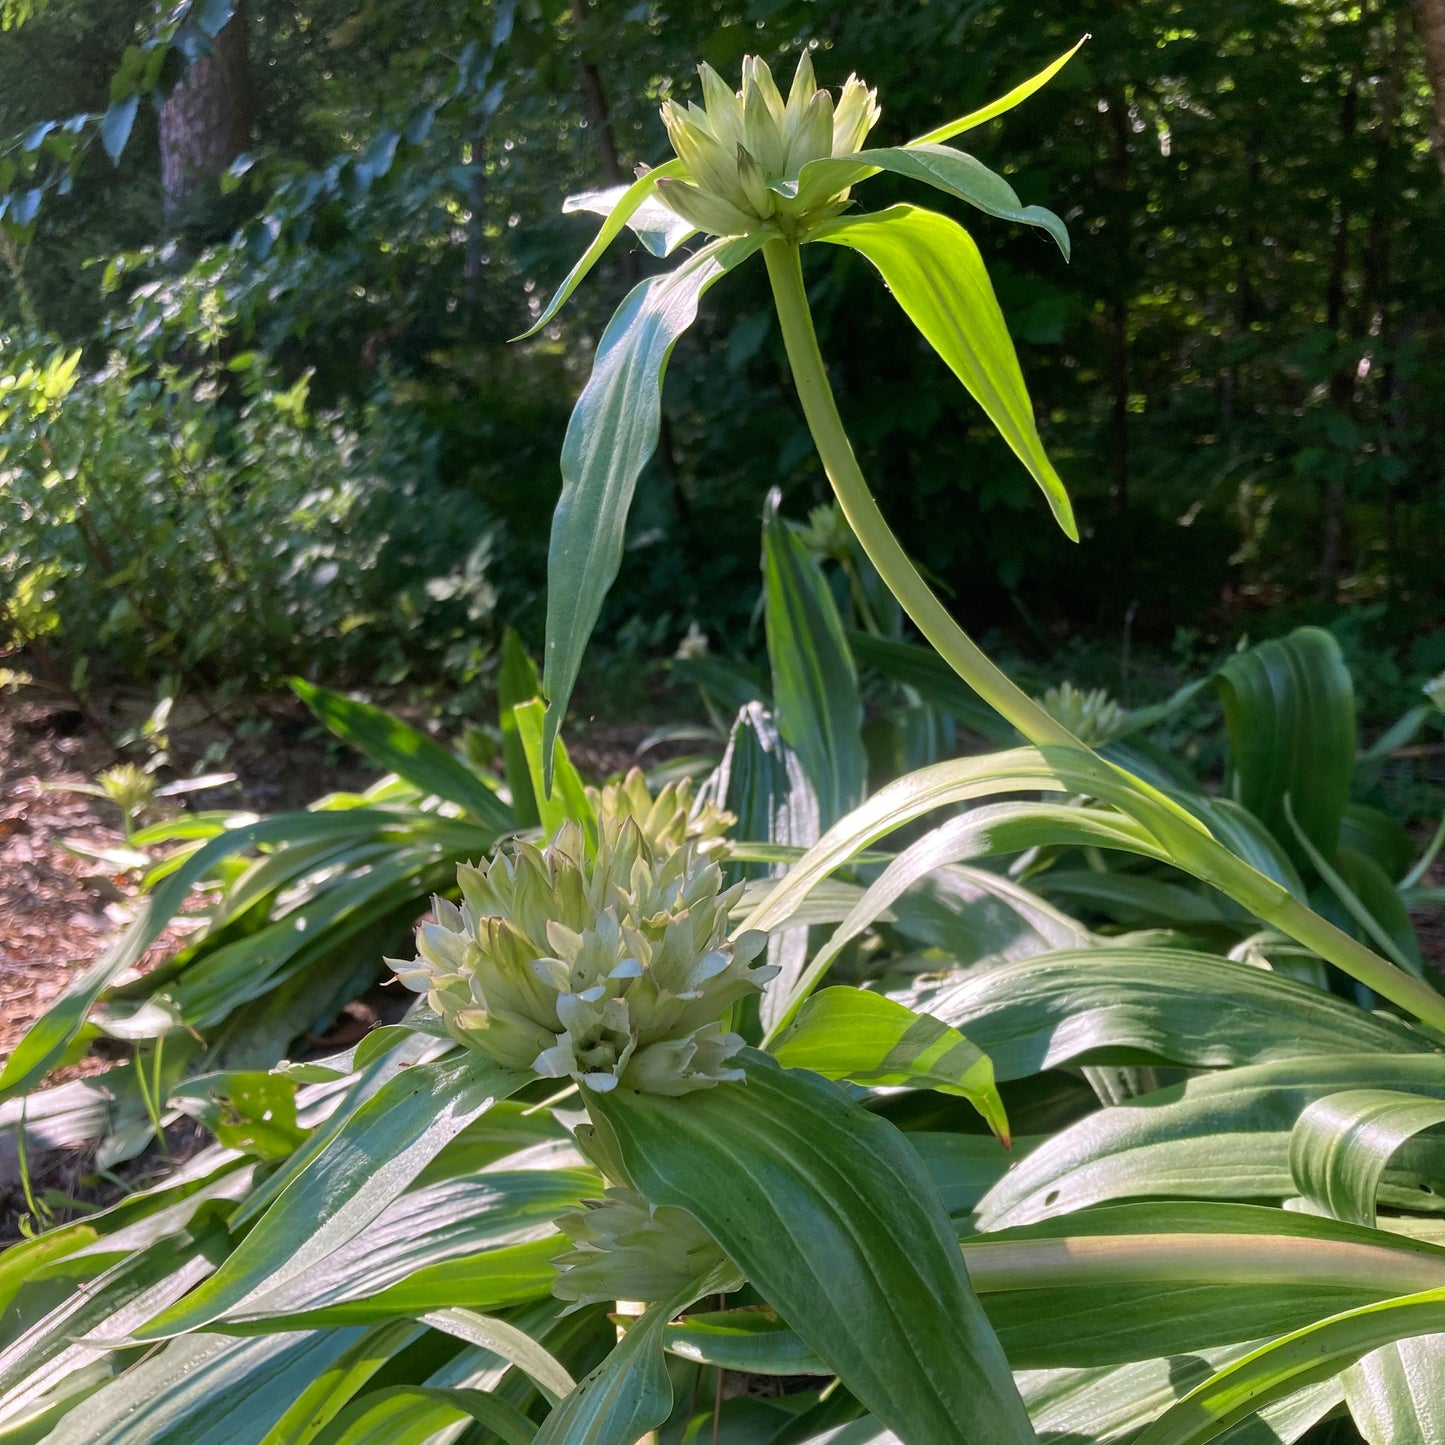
(624, 1248)
(614, 967)
(745, 150)
(1093, 717)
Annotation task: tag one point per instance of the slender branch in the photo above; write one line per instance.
(915, 596)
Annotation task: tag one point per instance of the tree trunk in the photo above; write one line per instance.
(1430, 22)
(1342, 381)
(599, 117)
(206, 121)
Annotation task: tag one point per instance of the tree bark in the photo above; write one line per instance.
(1430, 23)
(207, 120)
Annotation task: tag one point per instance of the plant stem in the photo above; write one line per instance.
(915, 596)
(1192, 847)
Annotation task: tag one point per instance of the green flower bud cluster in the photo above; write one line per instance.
(667, 821)
(745, 150)
(130, 788)
(624, 1248)
(614, 968)
(1093, 717)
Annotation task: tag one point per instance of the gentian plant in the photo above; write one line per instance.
(763, 175)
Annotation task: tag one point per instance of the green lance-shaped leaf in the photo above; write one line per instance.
(1339, 1149)
(1338, 1153)
(626, 205)
(400, 749)
(1172, 1142)
(990, 829)
(1125, 1005)
(815, 685)
(1367, 895)
(612, 434)
(1006, 102)
(335, 1386)
(556, 786)
(1126, 1282)
(416, 1414)
(1018, 770)
(851, 1033)
(761, 781)
(955, 172)
(369, 1162)
(1289, 707)
(832, 1217)
(754, 1341)
(505, 1340)
(934, 270)
(206, 1389)
(1302, 1358)
(934, 680)
(1397, 1393)
(517, 683)
(630, 1392)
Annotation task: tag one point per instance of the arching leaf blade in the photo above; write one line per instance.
(832, 1217)
(621, 212)
(1005, 102)
(612, 433)
(934, 270)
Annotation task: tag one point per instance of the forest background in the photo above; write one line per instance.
(260, 261)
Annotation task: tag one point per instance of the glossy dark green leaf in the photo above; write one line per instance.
(832, 1217)
(1300, 1358)
(1122, 1005)
(398, 748)
(1224, 1135)
(613, 432)
(934, 271)
(368, 1163)
(1342, 1143)
(815, 686)
(1289, 707)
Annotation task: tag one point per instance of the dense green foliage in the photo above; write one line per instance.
(1048, 1091)
(1237, 374)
